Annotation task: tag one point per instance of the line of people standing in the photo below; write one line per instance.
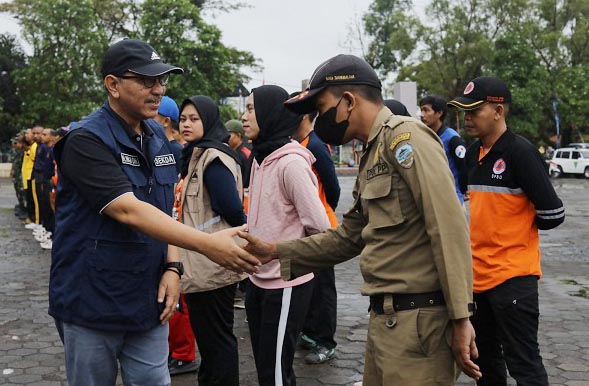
(33, 173)
(413, 242)
(209, 197)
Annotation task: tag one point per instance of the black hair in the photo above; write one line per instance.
(370, 93)
(174, 124)
(438, 104)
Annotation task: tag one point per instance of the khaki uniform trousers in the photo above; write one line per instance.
(409, 348)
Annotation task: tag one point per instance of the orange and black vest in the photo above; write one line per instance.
(511, 197)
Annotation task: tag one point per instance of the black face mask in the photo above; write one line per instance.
(330, 131)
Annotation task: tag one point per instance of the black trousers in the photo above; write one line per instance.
(275, 318)
(45, 212)
(32, 202)
(211, 318)
(321, 319)
(506, 325)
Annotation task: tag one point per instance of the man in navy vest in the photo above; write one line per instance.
(433, 111)
(114, 280)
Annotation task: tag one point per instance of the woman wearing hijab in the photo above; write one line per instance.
(284, 205)
(209, 198)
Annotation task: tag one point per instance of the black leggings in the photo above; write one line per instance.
(275, 318)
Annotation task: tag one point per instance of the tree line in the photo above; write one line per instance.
(59, 81)
(539, 47)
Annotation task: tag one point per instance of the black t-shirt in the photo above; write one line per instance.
(93, 169)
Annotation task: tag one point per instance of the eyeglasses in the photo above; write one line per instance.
(149, 81)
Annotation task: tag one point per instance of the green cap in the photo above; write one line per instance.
(234, 126)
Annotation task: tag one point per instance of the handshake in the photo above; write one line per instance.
(225, 251)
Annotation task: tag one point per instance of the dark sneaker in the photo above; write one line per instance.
(319, 355)
(180, 367)
(306, 342)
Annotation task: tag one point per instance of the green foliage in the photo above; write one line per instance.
(394, 34)
(177, 30)
(539, 47)
(59, 83)
(61, 79)
(11, 58)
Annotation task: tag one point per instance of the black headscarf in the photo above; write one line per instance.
(215, 135)
(396, 107)
(276, 123)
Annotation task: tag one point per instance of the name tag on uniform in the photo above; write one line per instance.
(128, 159)
(165, 159)
(377, 170)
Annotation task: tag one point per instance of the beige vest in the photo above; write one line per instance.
(200, 273)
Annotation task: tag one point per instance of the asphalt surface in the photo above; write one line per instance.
(31, 353)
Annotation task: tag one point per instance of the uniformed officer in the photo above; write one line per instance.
(114, 281)
(414, 249)
(16, 154)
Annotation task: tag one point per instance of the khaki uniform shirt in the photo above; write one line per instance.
(406, 222)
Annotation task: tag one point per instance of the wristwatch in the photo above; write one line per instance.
(175, 264)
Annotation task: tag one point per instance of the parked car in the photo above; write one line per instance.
(569, 160)
(579, 145)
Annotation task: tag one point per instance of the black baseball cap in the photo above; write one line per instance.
(134, 56)
(339, 70)
(481, 90)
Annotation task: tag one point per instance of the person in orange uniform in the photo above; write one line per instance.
(511, 197)
(319, 328)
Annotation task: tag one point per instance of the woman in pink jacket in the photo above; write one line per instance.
(284, 205)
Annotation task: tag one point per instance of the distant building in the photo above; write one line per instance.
(236, 98)
(406, 93)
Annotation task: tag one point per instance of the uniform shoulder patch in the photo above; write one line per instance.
(460, 151)
(399, 138)
(405, 156)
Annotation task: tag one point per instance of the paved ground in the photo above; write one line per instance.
(31, 353)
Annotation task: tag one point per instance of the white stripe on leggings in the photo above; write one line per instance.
(286, 295)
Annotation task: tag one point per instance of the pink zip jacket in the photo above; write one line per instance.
(284, 205)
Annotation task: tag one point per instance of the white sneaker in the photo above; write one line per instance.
(47, 244)
(39, 230)
(44, 237)
(358, 384)
(32, 226)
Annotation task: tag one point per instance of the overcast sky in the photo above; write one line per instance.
(289, 37)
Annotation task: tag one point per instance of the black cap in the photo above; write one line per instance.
(134, 56)
(481, 90)
(339, 70)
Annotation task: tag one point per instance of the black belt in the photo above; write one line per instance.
(404, 302)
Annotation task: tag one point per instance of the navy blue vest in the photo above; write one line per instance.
(105, 275)
(446, 136)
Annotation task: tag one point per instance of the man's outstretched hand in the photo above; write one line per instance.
(265, 252)
(223, 250)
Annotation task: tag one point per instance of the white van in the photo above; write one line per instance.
(569, 160)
